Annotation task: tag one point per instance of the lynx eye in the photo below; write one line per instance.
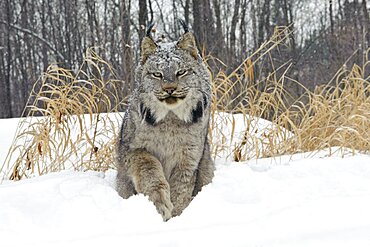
(181, 72)
(157, 75)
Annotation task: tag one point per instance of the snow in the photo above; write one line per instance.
(300, 200)
(230, 130)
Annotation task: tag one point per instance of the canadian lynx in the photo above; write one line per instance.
(162, 149)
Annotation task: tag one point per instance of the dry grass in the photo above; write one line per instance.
(63, 125)
(338, 115)
(73, 131)
(334, 115)
(254, 98)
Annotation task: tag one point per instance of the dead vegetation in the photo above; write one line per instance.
(65, 125)
(334, 115)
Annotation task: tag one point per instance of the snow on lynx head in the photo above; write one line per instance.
(172, 76)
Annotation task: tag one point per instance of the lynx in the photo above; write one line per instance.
(163, 151)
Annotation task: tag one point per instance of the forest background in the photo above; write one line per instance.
(326, 35)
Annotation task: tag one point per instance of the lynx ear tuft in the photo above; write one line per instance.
(148, 46)
(187, 43)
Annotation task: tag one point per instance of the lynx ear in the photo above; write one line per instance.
(148, 46)
(187, 43)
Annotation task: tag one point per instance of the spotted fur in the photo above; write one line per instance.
(163, 150)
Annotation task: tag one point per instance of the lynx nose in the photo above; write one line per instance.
(170, 88)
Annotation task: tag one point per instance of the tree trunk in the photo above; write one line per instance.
(7, 100)
(187, 11)
(234, 21)
(143, 17)
(243, 35)
(220, 37)
(331, 16)
(126, 47)
(203, 26)
(254, 26)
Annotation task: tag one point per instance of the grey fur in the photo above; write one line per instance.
(163, 150)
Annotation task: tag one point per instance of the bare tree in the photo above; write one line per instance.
(127, 53)
(35, 34)
(143, 18)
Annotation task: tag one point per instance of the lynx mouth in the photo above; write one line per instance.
(172, 99)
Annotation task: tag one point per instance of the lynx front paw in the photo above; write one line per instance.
(161, 200)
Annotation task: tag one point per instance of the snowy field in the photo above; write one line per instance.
(300, 200)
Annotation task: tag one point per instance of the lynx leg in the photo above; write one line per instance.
(125, 187)
(205, 171)
(182, 183)
(147, 176)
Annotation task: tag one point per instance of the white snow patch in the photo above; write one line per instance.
(300, 200)
(320, 201)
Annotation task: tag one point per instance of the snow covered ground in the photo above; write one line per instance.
(300, 200)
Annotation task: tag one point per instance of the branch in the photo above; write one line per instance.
(36, 36)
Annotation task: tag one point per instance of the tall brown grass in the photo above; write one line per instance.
(336, 114)
(73, 130)
(65, 124)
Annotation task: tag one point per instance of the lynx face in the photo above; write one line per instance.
(170, 76)
(174, 78)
